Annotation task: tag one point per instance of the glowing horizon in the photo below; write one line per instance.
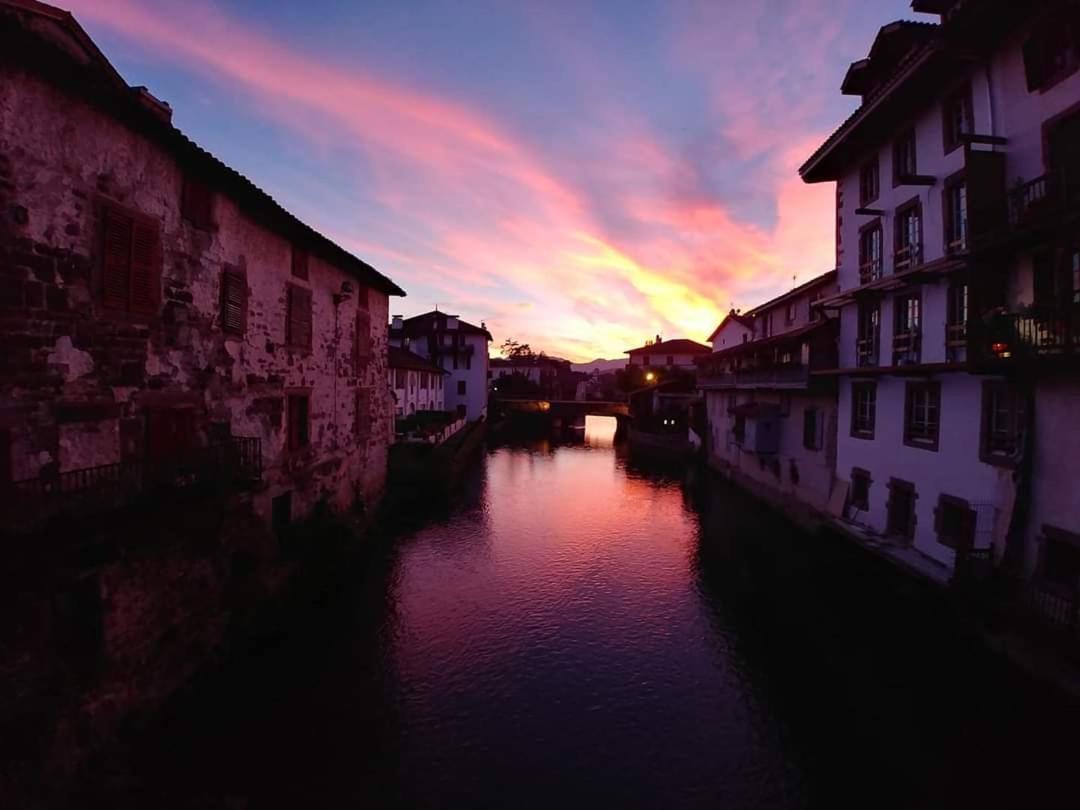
(580, 179)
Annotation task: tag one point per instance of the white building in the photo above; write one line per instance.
(771, 423)
(959, 262)
(671, 354)
(417, 383)
(459, 348)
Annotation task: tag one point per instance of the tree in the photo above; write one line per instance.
(512, 350)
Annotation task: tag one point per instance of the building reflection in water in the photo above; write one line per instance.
(600, 431)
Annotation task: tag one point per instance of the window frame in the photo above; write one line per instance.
(931, 439)
(875, 271)
(865, 308)
(906, 138)
(1038, 74)
(138, 226)
(955, 243)
(860, 474)
(912, 207)
(962, 96)
(233, 275)
(300, 342)
(910, 333)
(814, 432)
(944, 504)
(1016, 415)
(898, 485)
(858, 429)
(870, 170)
(462, 388)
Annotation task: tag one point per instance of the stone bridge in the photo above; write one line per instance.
(567, 408)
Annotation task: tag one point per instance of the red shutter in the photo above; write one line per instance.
(298, 319)
(116, 259)
(233, 301)
(145, 267)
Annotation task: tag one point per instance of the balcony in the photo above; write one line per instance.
(1040, 201)
(956, 341)
(794, 376)
(866, 352)
(907, 258)
(870, 271)
(1037, 334)
(906, 349)
(226, 466)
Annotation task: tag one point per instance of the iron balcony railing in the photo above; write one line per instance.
(906, 348)
(866, 352)
(870, 270)
(907, 257)
(229, 465)
(1043, 198)
(761, 377)
(1045, 333)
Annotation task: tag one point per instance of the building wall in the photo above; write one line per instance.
(475, 377)
(62, 157)
(733, 333)
(795, 471)
(954, 469)
(423, 391)
(659, 360)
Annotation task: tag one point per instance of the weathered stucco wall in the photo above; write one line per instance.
(76, 383)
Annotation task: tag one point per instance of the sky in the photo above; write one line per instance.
(579, 175)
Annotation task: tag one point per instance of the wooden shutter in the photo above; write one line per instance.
(362, 419)
(298, 319)
(145, 267)
(233, 301)
(300, 263)
(116, 259)
(362, 346)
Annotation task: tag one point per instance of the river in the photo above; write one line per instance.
(581, 630)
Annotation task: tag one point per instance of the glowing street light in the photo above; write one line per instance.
(649, 377)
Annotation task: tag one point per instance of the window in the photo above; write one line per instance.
(813, 314)
(900, 518)
(1059, 558)
(863, 408)
(1052, 53)
(298, 317)
(812, 428)
(870, 253)
(908, 237)
(766, 325)
(399, 378)
(905, 163)
(233, 300)
(299, 262)
(906, 329)
(859, 497)
(361, 340)
(299, 424)
(197, 203)
(957, 118)
(362, 414)
(130, 262)
(1003, 418)
(955, 209)
(461, 388)
(869, 336)
(954, 523)
(956, 321)
(869, 182)
(922, 415)
(792, 312)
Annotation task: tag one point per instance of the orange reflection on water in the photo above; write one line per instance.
(600, 430)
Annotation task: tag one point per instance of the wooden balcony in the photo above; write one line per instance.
(225, 466)
(1043, 200)
(907, 258)
(956, 341)
(906, 348)
(867, 352)
(1014, 336)
(793, 376)
(870, 271)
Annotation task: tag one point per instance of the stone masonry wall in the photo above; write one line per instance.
(75, 383)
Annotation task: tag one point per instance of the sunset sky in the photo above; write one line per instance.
(580, 175)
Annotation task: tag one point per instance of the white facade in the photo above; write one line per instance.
(1010, 126)
(733, 331)
(416, 389)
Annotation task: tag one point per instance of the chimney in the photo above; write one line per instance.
(397, 323)
(149, 101)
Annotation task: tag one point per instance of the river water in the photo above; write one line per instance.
(582, 630)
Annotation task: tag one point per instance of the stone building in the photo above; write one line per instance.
(162, 318)
(416, 382)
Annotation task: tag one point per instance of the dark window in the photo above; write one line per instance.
(907, 326)
(956, 321)
(299, 421)
(298, 317)
(299, 262)
(813, 314)
(1003, 420)
(860, 489)
(900, 520)
(869, 182)
(399, 378)
(957, 118)
(461, 411)
(233, 300)
(1059, 558)
(870, 253)
(197, 203)
(130, 262)
(869, 337)
(1052, 53)
(362, 340)
(812, 429)
(954, 523)
(922, 415)
(907, 242)
(863, 409)
(955, 208)
(461, 388)
(905, 162)
(362, 414)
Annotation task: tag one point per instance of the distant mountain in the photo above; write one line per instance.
(600, 364)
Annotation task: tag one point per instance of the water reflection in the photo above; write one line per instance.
(581, 629)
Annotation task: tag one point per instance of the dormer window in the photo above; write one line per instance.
(957, 118)
(905, 163)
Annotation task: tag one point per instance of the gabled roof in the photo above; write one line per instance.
(823, 280)
(893, 41)
(435, 321)
(761, 343)
(676, 346)
(398, 357)
(735, 317)
(49, 42)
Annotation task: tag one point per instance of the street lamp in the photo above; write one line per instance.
(650, 376)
